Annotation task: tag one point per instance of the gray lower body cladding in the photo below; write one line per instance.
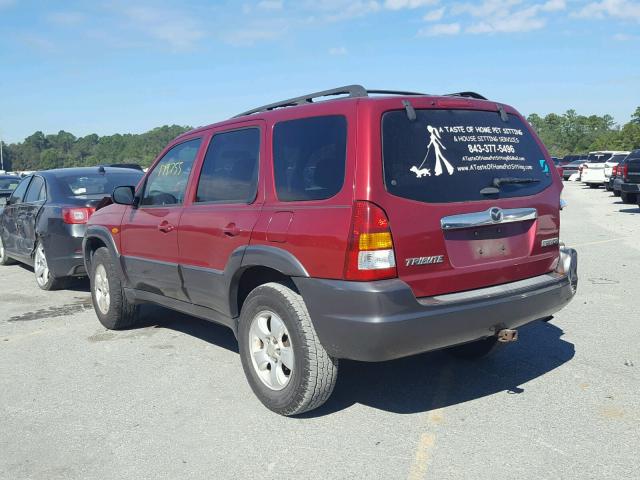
(383, 320)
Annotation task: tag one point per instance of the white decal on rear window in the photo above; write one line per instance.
(435, 142)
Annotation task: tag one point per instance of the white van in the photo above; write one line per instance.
(593, 169)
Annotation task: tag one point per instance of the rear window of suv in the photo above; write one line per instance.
(618, 157)
(451, 155)
(598, 157)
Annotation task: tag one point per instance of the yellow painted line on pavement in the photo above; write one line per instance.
(434, 417)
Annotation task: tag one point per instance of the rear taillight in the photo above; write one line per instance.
(370, 254)
(614, 171)
(76, 215)
(625, 171)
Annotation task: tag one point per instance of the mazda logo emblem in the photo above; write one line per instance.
(496, 214)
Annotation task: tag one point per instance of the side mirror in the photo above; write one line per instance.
(123, 195)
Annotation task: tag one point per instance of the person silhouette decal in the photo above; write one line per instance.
(437, 148)
(436, 143)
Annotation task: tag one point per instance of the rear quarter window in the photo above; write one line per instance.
(309, 157)
(451, 155)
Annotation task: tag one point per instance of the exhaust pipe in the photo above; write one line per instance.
(507, 335)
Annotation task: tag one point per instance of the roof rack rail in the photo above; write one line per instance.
(468, 95)
(393, 92)
(351, 91)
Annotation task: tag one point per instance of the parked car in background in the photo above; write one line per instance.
(610, 165)
(571, 168)
(44, 221)
(556, 162)
(314, 247)
(8, 184)
(617, 177)
(630, 186)
(592, 172)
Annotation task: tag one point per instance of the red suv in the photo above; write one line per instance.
(371, 226)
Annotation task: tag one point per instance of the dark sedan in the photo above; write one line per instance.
(571, 168)
(8, 184)
(45, 218)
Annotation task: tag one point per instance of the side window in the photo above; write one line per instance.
(167, 182)
(36, 192)
(309, 157)
(230, 169)
(18, 193)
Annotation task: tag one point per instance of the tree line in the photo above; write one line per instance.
(41, 152)
(564, 134)
(571, 133)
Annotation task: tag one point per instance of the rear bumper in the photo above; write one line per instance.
(630, 187)
(377, 321)
(593, 175)
(63, 246)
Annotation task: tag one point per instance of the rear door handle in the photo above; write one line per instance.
(166, 227)
(231, 230)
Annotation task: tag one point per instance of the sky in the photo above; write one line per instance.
(118, 66)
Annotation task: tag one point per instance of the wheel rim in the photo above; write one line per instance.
(271, 350)
(41, 267)
(101, 289)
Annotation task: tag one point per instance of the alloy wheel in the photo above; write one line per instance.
(271, 350)
(101, 289)
(41, 267)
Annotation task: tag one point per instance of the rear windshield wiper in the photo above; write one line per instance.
(511, 180)
(494, 188)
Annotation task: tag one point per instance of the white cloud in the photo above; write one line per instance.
(440, 29)
(271, 4)
(254, 33)
(507, 16)
(434, 15)
(622, 9)
(338, 51)
(624, 37)
(400, 4)
(6, 3)
(173, 28)
(66, 18)
(553, 6)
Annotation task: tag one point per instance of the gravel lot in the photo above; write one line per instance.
(169, 400)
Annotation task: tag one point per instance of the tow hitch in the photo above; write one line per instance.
(507, 335)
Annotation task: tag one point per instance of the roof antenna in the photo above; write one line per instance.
(411, 113)
(101, 170)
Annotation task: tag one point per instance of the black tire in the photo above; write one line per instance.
(477, 349)
(314, 372)
(4, 259)
(628, 198)
(120, 314)
(616, 193)
(46, 281)
(594, 185)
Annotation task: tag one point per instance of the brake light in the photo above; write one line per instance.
(76, 215)
(625, 171)
(614, 171)
(370, 254)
